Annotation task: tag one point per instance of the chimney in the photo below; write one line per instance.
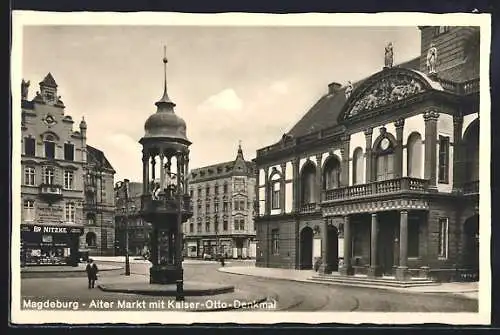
(333, 88)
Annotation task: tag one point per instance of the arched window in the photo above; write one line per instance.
(91, 239)
(275, 191)
(308, 184)
(331, 174)
(471, 141)
(384, 160)
(357, 166)
(414, 155)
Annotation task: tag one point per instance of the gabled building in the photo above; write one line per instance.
(223, 196)
(53, 161)
(381, 177)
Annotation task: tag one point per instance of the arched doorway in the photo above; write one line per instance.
(306, 248)
(91, 239)
(333, 248)
(471, 243)
(471, 141)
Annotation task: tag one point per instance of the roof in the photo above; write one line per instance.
(97, 157)
(48, 81)
(324, 113)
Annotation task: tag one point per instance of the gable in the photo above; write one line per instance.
(386, 88)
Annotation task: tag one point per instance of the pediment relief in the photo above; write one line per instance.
(383, 89)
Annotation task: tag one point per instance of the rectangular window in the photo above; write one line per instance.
(207, 227)
(236, 205)
(29, 210)
(443, 238)
(29, 175)
(207, 208)
(48, 176)
(216, 189)
(216, 227)
(50, 150)
(242, 205)
(29, 147)
(69, 152)
(191, 227)
(444, 150)
(275, 241)
(413, 236)
(69, 212)
(225, 206)
(225, 188)
(275, 196)
(225, 225)
(207, 191)
(198, 228)
(191, 193)
(216, 207)
(68, 180)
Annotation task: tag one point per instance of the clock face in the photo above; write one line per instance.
(385, 144)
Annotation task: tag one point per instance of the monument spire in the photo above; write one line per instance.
(165, 99)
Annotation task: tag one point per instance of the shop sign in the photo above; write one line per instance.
(54, 230)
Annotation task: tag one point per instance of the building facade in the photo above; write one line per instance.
(53, 162)
(381, 176)
(99, 203)
(222, 223)
(138, 229)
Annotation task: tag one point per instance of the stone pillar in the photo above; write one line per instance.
(345, 160)
(402, 270)
(398, 157)
(153, 167)
(267, 187)
(283, 188)
(458, 156)
(162, 172)
(319, 158)
(325, 245)
(145, 173)
(347, 268)
(295, 185)
(374, 269)
(368, 155)
(186, 173)
(430, 119)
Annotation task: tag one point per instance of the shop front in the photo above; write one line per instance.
(50, 244)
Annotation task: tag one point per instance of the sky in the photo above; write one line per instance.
(230, 84)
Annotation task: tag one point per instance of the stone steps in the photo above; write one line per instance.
(371, 282)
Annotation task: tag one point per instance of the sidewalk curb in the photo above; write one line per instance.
(394, 289)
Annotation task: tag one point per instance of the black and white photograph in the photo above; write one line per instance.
(256, 168)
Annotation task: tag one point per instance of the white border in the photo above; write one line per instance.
(24, 18)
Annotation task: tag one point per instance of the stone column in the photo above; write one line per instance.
(402, 270)
(162, 172)
(186, 172)
(283, 188)
(325, 246)
(430, 119)
(267, 208)
(319, 159)
(153, 167)
(374, 270)
(347, 268)
(398, 157)
(295, 185)
(345, 160)
(145, 173)
(368, 155)
(458, 156)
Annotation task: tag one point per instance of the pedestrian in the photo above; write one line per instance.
(91, 270)
(222, 260)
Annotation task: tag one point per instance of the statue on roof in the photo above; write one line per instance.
(389, 55)
(24, 89)
(348, 89)
(431, 59)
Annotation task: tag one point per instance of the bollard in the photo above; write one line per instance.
(180, 291)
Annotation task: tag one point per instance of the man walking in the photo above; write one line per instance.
(91, 270)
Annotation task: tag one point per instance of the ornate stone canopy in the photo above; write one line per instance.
(385, 88)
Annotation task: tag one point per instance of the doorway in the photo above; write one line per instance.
(333, 248)
(387, 223)
(471, 243)
(306, 248)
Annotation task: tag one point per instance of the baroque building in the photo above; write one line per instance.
(381, 176)
(222, 224)
(56, 161)
(99, 202)
(138, 229)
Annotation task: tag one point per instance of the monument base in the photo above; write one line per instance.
(165, 274)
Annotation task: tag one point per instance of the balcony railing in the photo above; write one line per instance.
(471, 187)
(308, 208)
(377, 188)
(51, 190)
